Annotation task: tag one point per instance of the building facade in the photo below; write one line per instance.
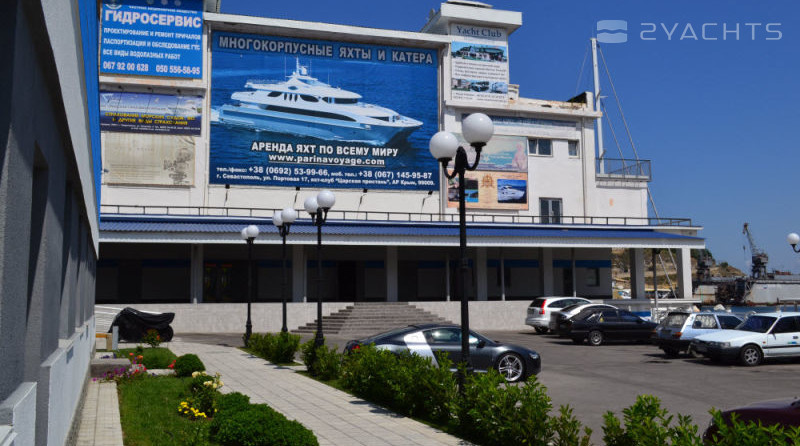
(261, 113)
(48, 217)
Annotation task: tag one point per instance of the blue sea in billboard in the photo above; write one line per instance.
(314, 121)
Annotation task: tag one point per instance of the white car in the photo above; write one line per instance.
(540, 309)
(762, 335)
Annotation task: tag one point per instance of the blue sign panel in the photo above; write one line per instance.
(152, 38)
(150, 113)
(314, 113)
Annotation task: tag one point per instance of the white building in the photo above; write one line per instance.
(241, 140)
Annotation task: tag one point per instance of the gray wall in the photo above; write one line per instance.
(48, 243)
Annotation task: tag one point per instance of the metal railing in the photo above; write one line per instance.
(623, 169)
(333, 214)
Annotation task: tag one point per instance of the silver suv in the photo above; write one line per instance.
(540, 309)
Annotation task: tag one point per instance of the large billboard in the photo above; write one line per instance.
(501, 180)
(152, 38)
(314, 113)
(150, 113)
(479, 64)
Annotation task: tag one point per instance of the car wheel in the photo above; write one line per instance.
(595, 338)
(750, 355)
(671, 352)
(541, 330)
(511, 367)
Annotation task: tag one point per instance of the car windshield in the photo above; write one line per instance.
(758, 324)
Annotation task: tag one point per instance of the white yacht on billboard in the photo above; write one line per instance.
(304, 106)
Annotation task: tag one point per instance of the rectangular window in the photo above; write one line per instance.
(541, 147)
(593, 277)
(573, 149)
(550, 210)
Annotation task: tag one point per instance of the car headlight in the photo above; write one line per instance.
(534, 356)
(720, 344)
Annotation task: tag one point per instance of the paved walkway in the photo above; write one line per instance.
(100, 416)
(336, 418)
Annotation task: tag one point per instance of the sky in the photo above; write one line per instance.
(715, 117)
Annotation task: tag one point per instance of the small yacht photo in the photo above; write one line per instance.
(304, 106)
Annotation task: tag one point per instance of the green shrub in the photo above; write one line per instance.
(232, 402)
(408, 383)
(329, 363)
(736, 432)
(278, 348)
(187, 364)
(260, 425)
(308, 353)
(648, 424)
(203, 392)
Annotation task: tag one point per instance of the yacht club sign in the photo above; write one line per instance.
(298, 112)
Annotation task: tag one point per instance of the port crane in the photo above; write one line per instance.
(758, 258)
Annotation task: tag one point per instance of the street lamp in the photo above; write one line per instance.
(793, 240)
(283, 221)
(477, 129)
(249, 234)
(318, 207)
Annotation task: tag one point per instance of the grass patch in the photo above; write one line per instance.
(154, 358)
(148, 410)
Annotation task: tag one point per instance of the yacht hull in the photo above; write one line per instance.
(310, 126)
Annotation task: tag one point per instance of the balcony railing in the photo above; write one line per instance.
(334, 214)
(623, 169)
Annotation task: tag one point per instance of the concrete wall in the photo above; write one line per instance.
(48, 219)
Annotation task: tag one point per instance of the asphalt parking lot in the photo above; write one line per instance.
(593, 380)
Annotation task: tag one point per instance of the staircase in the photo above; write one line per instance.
(367, 318)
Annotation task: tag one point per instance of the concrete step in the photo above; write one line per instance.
(372, 317)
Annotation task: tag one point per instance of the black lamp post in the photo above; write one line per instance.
(477, 129)
(793, 240)
(249, 234)
(318, 207)
(283, 221)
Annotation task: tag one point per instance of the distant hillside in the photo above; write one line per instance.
(620, 272)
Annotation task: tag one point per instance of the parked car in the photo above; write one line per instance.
(762, 335)
(515, 363)
(675, 333)
(601, 325)
(540, 309)
(559, 319)
(784, 412)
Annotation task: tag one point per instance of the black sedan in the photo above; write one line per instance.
(515, 363)
(600, 325)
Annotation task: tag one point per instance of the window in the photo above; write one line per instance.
(541, 147)
(592, 276)
(550, 210)
(786, 325)
(573, 149)
(729, 321)
(626, 316)
(704, 321)
(608, 316)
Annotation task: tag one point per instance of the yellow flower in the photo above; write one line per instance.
(221, 383)
(208, 383)
(195, 374)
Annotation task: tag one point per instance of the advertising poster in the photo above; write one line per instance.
(152, 38)
(313, 113)
(150, 113)
(152, 160)
(479, 64)
(501, 180)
